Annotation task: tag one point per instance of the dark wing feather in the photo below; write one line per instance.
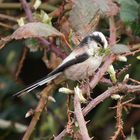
(53, 74)
(76, 60)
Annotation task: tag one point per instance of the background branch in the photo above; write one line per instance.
(41, 105)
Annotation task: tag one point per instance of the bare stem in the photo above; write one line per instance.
(80, 118)
(41, 105)
(119, 124)
(98, 76)
(27, 10)
(35, 118)
(3, 16)
(112, 38)
(12, 6)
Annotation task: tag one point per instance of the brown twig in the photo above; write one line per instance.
(98, 76)
(134, 81)
(93, 103)
(6, 26)
(123, 103)
(3, 16)
(45, 92)
(12, 6)
(80, 118)
(133, 88)
(37, 113)
(69, 124)
(133, 105)
(41, 105)
(120, 87)
(119, 124)
(52, 47)
(27, 10)
(105, 81)
(132, 53)
(112, 28)
(123, 70)
(20, 65)
(61, 135)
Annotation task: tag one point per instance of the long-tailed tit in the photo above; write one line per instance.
(81, 63)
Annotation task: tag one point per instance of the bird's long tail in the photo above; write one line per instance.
(36, 84)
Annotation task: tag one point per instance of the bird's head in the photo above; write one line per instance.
(96, 43)
(95, 39)
(99, 38)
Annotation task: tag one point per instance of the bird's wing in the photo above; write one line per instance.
(77, 56)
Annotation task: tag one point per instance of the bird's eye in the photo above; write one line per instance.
(99, 45)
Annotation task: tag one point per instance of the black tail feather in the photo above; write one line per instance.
(40, 82)
(26, 90)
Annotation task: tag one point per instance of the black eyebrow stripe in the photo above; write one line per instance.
(76, 60)
(86, 40)
(97, 39)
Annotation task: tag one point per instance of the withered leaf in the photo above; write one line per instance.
(85, 15)
(30, 30)
(35, 29)
(120, 49)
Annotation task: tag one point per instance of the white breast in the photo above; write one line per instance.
(83, 70)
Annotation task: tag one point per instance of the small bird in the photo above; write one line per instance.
(81, 63)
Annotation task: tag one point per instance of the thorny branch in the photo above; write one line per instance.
(41, 105)
(119, 124)
(20, 65)
(69, 124)
(80, 118)
(27, 10)
(120, 87)
(98, 76)
(37, 113)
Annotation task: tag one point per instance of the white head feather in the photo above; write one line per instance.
(101, 35)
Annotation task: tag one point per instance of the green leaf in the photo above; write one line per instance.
(32, 44)
(43, 17)
(129, 10)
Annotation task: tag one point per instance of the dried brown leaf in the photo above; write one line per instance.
(82, 16)
(107, 7)
(120, 49)
(85, 15)
(30, 30)
(35, 29)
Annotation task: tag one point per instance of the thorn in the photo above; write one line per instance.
(29, 113)
(87, 122)
(50, 98)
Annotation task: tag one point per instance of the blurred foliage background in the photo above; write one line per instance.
(35, 65)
